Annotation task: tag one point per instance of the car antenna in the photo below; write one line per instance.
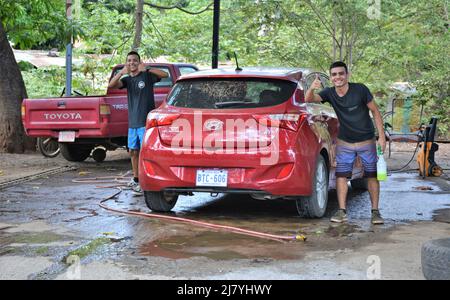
(237, 64)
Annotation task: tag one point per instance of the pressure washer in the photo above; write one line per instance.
(425, 157)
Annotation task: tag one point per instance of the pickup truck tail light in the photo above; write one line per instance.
(157, 119)
(105, 109)
(285, 121)
(22, 111)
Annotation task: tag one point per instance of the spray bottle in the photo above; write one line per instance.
(381, 165)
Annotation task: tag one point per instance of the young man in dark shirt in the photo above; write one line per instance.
(352, 103)
(139, 84)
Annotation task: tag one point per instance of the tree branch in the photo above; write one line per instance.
(324, 22)
(178, 6)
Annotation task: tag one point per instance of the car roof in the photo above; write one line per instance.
(292, 74)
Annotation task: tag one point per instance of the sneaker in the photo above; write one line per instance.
(132, 183)
(376, 217)
(339, 217)
(137, 190)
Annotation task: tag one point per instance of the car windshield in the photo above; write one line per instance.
(230, 93)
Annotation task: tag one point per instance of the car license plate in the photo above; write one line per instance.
(66, 136)
(217, 178)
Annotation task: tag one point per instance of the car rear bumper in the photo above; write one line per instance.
(105, 130)
(162, 169)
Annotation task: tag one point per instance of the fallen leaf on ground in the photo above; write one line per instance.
(423, 188)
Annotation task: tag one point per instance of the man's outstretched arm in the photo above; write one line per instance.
(378, 123)
(156, 71)
(115, 82)
(310, 96)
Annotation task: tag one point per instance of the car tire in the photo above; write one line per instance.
(48, 147)
(160, 201)
(315, 205)
(99, 154)
(74, 152)
(359, 184)
(435, 256)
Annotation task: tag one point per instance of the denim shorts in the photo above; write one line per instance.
(346, 154)
(135, 138)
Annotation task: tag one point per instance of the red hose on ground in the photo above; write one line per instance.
(122, 179)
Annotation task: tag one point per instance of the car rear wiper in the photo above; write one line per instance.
(231, 103)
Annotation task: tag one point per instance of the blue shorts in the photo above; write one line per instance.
(135, 138)
(346, 154)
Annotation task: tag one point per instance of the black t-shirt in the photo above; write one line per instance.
(355, 124)
(140, 97)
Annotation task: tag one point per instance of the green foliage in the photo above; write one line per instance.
(32, 23)
(42, 83)
(407, 41)
(25, 66)
(106, 27)
(88, 79)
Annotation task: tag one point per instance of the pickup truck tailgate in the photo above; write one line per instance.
(62, 113)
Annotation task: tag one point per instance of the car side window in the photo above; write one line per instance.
(324, 79)
(306, 82)
(187, 70)
(117, 70)
(165, 82)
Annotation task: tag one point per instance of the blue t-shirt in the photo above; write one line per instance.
(140, 97)
(355, 124)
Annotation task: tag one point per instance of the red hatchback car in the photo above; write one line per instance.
(241, 131)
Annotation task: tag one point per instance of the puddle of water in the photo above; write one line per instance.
(343, 229)
(442, 215)
(403, 182)
(220, 246)
(398, 206)
(400, 201)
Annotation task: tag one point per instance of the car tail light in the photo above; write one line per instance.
(149, 168)
(22, 111)
(105, 109)
(158, 119)
(285, 171)
(286, 121)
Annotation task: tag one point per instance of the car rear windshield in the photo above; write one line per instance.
(230, 93)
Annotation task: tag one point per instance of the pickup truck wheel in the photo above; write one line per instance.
(315, 205)
(74, 152)
(160, 201)
(48, 147)
(99, 154)
(435, 257)
(359, 184)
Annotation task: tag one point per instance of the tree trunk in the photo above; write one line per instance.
(12, 92)
(341, 46)
(138, 24)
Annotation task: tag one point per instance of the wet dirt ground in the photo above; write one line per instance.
(53, 228)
